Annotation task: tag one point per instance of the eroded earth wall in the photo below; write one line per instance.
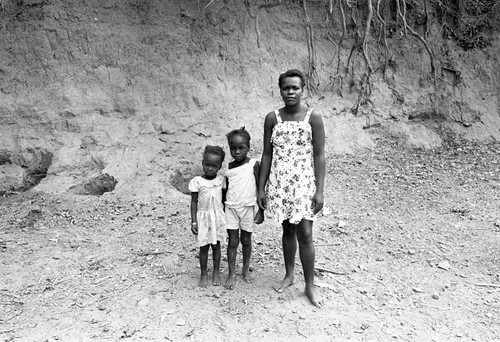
(130, 91)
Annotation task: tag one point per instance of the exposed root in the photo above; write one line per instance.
(368, 23)
(311, 65)
(407, 28)
(364, 94)
(383, 30)
(257, 29)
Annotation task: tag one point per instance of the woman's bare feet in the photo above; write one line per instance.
(203, 280)
(230, 282)
(313, 296)
(216, 280)
(247, 277)
(284, 284)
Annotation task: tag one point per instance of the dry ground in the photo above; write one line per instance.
(409, 252)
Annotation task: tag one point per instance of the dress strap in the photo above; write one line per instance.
(278, 116)
(308, 115)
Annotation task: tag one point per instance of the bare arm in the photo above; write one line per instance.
(318, 134)
(194, 210)
(267, 157)
(259, 216)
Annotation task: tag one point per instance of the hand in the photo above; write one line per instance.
(317, 202)
(261, 200)
(259, 217)
(194, 228)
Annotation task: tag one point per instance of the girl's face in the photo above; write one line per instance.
(239, 148)
(291, 90)
(211, 164)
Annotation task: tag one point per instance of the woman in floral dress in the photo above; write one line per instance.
(293, 167)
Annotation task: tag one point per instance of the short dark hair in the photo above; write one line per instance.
(292, 73)
(242, 132)
(215, 150)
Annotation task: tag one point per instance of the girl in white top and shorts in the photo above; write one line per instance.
(242, 211)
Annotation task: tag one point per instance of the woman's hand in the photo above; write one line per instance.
(317, 202)
(194, 228)
(261, 200)
(259, 217)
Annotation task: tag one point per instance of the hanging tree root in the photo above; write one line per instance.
(364, 94)
(361, 40)
(415, 34)
(311, 62)
(338, 75)
(383, 30)
(257, 29)
(361, 44)
(368, 23)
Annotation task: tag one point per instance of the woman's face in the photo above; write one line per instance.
(291, 90)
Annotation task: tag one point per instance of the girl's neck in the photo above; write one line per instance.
(243, 162)
(208, 177)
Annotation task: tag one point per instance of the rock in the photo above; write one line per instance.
(444, 265)
(11, 177)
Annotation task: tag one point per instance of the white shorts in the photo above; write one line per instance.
(240, 218)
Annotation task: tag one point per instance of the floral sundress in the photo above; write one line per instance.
(292, 182)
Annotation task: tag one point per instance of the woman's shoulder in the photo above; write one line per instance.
(315, 115)
(272, 115)
(314, 111)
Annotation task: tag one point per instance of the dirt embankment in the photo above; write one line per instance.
(130, 91)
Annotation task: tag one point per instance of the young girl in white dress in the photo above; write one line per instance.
(208, 220)
(293, 167)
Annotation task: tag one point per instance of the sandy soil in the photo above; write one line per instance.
(408, 252)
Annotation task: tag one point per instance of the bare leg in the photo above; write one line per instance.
(289, 243)
(232, 249)
(307, 257)
(246, 242)
(216, 281)
(203, 266)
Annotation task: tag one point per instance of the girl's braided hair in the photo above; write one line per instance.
(242, 132)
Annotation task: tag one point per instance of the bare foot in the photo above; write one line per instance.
(203, 280)
(313, 296)
(283, 285)
(247, 277)
(230, 282)
(216, 280)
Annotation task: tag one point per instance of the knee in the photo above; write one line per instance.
(246, 239)
(305, 239)
(233, 242)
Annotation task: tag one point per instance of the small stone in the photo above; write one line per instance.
(180, 322)
(435, 295)
(444, 265)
